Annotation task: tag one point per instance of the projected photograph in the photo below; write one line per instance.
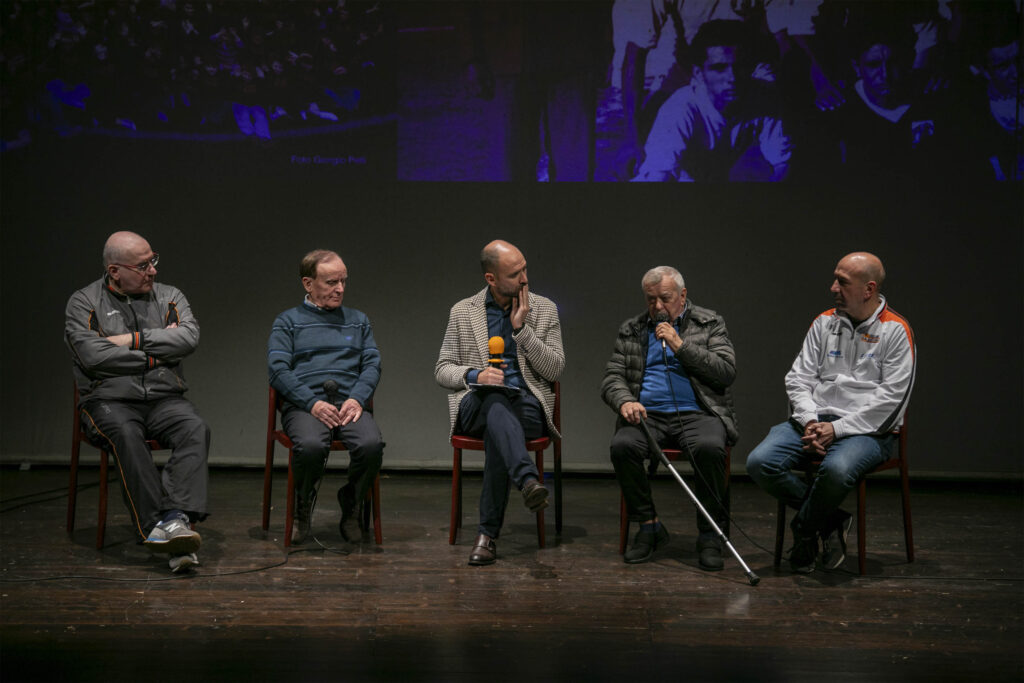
(283, 84)
(528, 91)
(710, 91)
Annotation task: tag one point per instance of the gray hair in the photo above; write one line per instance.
(658, 273)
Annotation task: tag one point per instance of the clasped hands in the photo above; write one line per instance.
(818, 436)
(332, 417)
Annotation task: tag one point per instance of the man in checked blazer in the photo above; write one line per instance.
(511, 399)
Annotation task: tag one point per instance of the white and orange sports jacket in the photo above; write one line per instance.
(864, 375)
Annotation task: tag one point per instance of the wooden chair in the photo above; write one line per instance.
(899, 460)
(535, 446)
(78, 437)
(673, 455)
(275, 435)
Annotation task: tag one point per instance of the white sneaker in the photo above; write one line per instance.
(182, 563)
(174, 538)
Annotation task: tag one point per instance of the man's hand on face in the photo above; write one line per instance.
(520, 308)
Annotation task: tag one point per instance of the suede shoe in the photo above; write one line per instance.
(710, 555)
(535, 495)
(348, 527)
(645, 542)
(833, 545)
(174, 537)
(484, 552)
(183, 563)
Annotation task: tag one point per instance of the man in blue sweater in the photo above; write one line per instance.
(324, 364)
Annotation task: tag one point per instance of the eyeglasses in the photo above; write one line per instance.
(143, 267)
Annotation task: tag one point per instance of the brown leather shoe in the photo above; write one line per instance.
(484, 552)
(535, 496)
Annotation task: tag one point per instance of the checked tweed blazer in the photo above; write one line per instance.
(538, 345)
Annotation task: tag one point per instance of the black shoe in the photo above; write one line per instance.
(710, 555)
(803, 555)
(484, 552)
(833, 544)
(535, 496)
(645, 542)
(348, 527)
(303, 521)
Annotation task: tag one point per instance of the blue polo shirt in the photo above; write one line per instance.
(656, 392)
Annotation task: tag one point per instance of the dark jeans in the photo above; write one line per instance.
(505, 423)
(122, 427)
(312, 443)
(846, 461)
(702, 435)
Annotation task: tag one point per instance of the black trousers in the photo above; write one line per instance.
(312, 444)
(122, 427)
(504, 423)
(700, 434)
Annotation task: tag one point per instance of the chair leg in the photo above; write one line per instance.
(73, 483)
(908, 530)
(456, 509)
(623, 524)
(780, 532)
(378, 536)
(268, 476)
(861, 530)
(101, 523)
(289, 513)
(540, 513)
(558, 487)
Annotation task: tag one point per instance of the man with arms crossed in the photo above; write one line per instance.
(128, 336)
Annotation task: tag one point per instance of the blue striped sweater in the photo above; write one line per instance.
(309, 345)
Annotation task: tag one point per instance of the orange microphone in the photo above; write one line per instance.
(496, 346)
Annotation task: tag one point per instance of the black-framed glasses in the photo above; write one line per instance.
(143, 267)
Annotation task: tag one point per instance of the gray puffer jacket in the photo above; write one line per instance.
(706, 354)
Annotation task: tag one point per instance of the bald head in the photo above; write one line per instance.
(865, 265)
(504, 269)
(121, 246)
(857, 285)
(492, 254)
(130, 263)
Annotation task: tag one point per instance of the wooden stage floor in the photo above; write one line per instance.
(412, 610)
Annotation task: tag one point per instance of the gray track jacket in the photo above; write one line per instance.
(148, 369)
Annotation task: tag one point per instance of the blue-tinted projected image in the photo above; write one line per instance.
(308, 83)
(815, 91)
(711, 90)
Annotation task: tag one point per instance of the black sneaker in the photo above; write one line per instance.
(348, 527)
(803, 554)
(645, 542)
(303, 522)
(833, 545)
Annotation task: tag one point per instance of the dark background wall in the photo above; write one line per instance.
(231, 211)
(231, 237)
